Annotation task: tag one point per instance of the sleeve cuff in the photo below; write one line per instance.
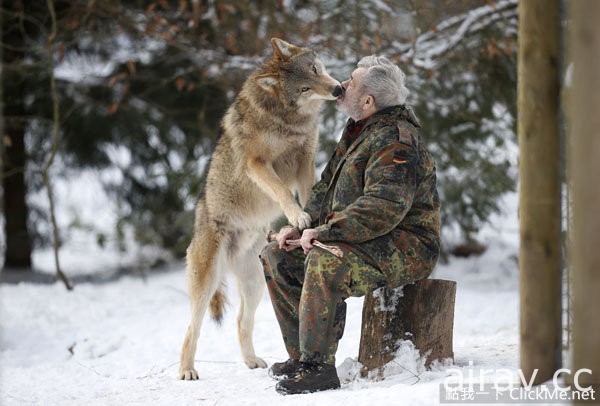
(324, 232)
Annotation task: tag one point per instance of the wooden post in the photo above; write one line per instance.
(422, 312)
(539, 175)
(584, 124)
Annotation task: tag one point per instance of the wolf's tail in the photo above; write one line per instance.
(217, 304)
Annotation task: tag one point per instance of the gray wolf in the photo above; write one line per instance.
(264, 156)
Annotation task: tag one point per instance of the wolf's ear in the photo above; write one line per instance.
(267, 81)
(283, 50)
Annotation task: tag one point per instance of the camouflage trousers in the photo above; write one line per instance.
(308, 293)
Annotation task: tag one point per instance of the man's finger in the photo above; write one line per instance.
(306, 245)
(281, 242)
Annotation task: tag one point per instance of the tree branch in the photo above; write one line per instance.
(428, 48)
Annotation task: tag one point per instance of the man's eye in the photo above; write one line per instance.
(305, 89)
(315, 69)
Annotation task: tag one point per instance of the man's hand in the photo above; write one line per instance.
(308, 235)
(286, 233)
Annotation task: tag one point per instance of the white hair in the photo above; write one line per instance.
(384, 81)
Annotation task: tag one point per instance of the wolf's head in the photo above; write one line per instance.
(297, 77)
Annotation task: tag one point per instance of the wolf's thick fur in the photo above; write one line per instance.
(265, 154)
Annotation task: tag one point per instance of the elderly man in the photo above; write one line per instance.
(377, 201)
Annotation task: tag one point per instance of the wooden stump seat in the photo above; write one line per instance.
(422, 312)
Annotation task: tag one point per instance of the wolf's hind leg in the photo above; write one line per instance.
(251, 284)
(204, 277)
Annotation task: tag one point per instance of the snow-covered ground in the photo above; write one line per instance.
(118, 342)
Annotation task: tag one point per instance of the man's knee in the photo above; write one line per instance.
(281, 266)
(270, 250)
(269, 257)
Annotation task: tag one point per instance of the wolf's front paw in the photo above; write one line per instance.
(255, 362)
(188, 375)
(301, 221)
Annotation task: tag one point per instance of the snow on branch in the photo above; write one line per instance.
(429, 47)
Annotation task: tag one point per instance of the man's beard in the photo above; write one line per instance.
(351, 108)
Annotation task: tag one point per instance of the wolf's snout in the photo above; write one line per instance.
(338, 91)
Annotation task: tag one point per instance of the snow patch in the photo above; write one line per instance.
(387, 304)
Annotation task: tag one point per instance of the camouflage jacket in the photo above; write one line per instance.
(379, 194)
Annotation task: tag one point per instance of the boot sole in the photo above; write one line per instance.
(285, 391)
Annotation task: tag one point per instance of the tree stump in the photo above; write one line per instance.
(422, 312)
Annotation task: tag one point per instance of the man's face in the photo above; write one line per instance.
(352, 100)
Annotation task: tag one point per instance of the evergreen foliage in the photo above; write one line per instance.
(143, 85)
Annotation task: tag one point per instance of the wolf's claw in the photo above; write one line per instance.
(255, 362)
(189, 375)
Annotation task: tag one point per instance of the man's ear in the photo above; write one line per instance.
(268, 82)
(283, 50)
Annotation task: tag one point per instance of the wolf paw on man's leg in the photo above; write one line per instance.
(299, 219)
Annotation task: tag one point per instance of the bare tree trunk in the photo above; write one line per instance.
(539, 205)
(55, 140)
(18, 243)
(584, 122)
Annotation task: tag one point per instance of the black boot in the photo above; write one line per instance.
(310, 378)
(284, 370)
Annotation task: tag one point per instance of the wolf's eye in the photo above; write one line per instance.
(315, 69)
(305, 89)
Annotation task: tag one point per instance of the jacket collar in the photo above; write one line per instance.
(399, 111)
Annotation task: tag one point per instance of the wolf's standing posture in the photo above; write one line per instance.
(266, 152)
